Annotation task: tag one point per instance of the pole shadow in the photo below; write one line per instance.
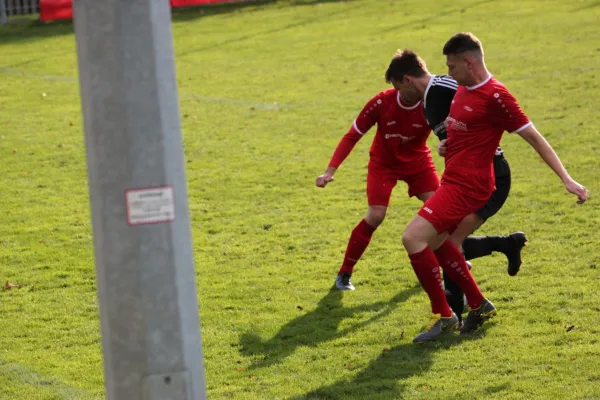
(30, 27)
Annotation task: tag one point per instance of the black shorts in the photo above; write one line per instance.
(499, 196)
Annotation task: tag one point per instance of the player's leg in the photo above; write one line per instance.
(440, 213)
(454, 293)
(448, 206)
(424, 184)
(415, 238)
(456, 271)
(467, 226)
(454, 287)
(511, 245)
(380, 184)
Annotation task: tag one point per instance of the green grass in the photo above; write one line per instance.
(266, 92)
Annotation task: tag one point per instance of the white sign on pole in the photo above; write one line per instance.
(150, 205)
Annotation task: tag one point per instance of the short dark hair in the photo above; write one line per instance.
(405, 62)
(462, 42)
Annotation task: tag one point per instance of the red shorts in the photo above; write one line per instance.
(448, 206)
(381, 181)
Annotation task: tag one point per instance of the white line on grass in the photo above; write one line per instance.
(15, 71)
(263, 106)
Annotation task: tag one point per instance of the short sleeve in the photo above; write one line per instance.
(505, 112)
(369, 114)
(439, 99)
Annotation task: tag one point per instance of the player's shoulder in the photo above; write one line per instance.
(384, 97)
(494, 86)
(443, 81)
(440, 87)
(390, 93)
(496, 91)
(380, 101)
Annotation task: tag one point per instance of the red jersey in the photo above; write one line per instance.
(400, 141)
(478, 117)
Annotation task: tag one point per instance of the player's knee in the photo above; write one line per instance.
(375, 216)
(457, 239)
(409, 238)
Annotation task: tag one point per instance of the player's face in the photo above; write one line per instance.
(407, 89)
(458, 69)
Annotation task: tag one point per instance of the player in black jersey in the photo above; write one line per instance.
(408, 73)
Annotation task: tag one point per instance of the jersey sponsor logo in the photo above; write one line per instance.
(468, 108)
(429, 210)
(405, 139)
(458, 125)
(390, 123)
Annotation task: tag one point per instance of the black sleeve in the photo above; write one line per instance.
(437, 107)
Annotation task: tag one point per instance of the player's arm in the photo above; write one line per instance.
(508, 115)
(543, 148)
(442, 147)
(365, 120)
(438, 101)
(342, 151)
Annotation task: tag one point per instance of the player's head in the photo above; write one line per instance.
(405, 69)
(464, 57)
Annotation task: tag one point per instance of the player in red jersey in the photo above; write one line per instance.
(481, 111)
(399, 153)
(411, 76)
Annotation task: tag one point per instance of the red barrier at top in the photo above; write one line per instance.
(51, 10)
(185, 3)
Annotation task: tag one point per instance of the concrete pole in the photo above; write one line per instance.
(3, 14)
(144, 262)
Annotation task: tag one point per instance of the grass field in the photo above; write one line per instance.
(266, 92)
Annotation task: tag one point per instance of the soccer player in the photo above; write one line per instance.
(482, 109)
(408, 73)
(399, 153)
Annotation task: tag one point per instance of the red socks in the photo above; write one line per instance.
(454, 265)
(426, 268)
(359, 240)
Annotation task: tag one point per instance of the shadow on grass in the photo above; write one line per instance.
(270, 30)
(421, 23)
(318, 326)
(587, 6)
(190, 13)
(383, 378)
(29, 28)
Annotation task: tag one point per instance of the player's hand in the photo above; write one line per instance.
(578, 190)
(442, 147)
(323, 180)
